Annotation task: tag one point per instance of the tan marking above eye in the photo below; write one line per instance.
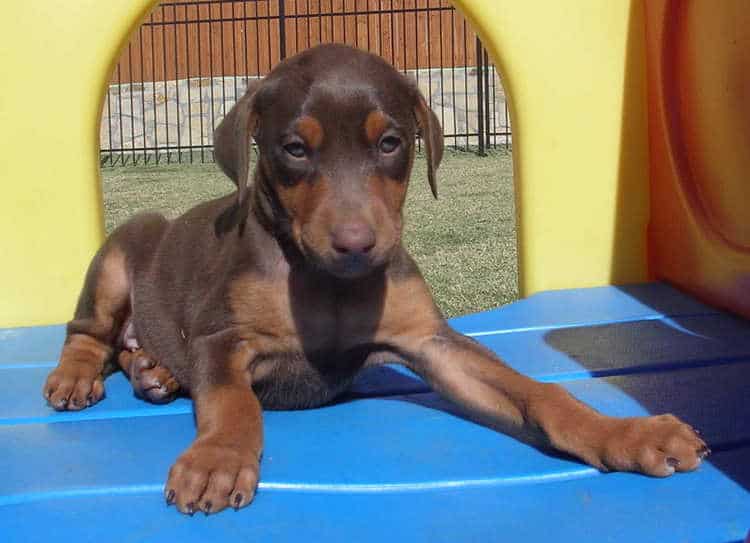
(311, 131)
(375, 124)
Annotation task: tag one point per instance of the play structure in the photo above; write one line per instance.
(631, 126)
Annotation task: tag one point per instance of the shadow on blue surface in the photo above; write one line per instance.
(696, 367)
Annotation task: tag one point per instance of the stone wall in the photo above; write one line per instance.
(141, 117)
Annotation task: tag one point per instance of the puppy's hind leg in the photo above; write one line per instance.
(150, 380)
(104, 305)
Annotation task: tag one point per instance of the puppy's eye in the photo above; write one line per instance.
(389, 144)
(296, 149)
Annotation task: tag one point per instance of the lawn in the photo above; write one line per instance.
(464, 242)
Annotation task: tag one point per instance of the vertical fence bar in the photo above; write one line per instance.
(487, 98)
(380, 28)
(480, 99)
(307, 20)
(166, 87)
(296, 18)
(393, 35)
(187, 78)
(282, 30)
(370, 46)
(453, 78)
(153, 88)
(109, 124)
(143, 96)
(343, 19)
(416, 55)
(234, 52)
(200, 83)
(223, 67)
(466, 85)
(212, 106)
(429, 52)
(130, 93)
(119, 112)
(257, 23)
(442, 66)
(494, 108)
(268, 26)
(506, 131)
(246, 30)
(177, 85)
(355, 11)
(320, 21)
(332, 22)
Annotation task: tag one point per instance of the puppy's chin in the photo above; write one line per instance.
(350, 266)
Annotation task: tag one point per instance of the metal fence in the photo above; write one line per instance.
(190, 60)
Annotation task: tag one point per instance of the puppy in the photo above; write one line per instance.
(278, 295)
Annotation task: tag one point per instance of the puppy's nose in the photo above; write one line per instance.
(353, 238)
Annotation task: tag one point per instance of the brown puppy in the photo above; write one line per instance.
(278, 296)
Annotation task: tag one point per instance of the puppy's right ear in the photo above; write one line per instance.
(432, 134)
(232, 139)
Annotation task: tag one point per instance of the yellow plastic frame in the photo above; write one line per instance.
(574, 73)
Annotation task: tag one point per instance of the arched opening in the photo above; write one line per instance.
(188, 62)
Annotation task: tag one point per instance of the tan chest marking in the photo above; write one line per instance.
(283, 315)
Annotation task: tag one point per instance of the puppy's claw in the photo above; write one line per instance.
(170, 496)
(238, 501)
(673, 462)
(703, 452)
(207, 508)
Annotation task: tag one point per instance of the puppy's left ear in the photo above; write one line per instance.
(232, 139)
(432, 134)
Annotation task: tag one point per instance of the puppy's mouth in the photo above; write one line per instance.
(351, 266)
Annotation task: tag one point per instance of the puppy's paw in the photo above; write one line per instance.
(211, 476)
(657, 446)
(72, 387)
(151, 381)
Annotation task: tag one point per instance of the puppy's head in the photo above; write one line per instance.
(335, 129)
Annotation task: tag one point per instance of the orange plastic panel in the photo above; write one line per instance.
(699, 123)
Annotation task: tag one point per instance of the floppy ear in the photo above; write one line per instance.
(232, 140)
(432, 134)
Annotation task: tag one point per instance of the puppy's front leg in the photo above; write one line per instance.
(471, 376)
(221, 467)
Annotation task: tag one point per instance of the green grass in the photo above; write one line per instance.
(464, 242)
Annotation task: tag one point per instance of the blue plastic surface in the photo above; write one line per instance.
(393, 460)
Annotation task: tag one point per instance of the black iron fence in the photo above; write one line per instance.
(190, 60)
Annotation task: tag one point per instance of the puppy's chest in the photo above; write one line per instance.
(309, 343)
(282, 315)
